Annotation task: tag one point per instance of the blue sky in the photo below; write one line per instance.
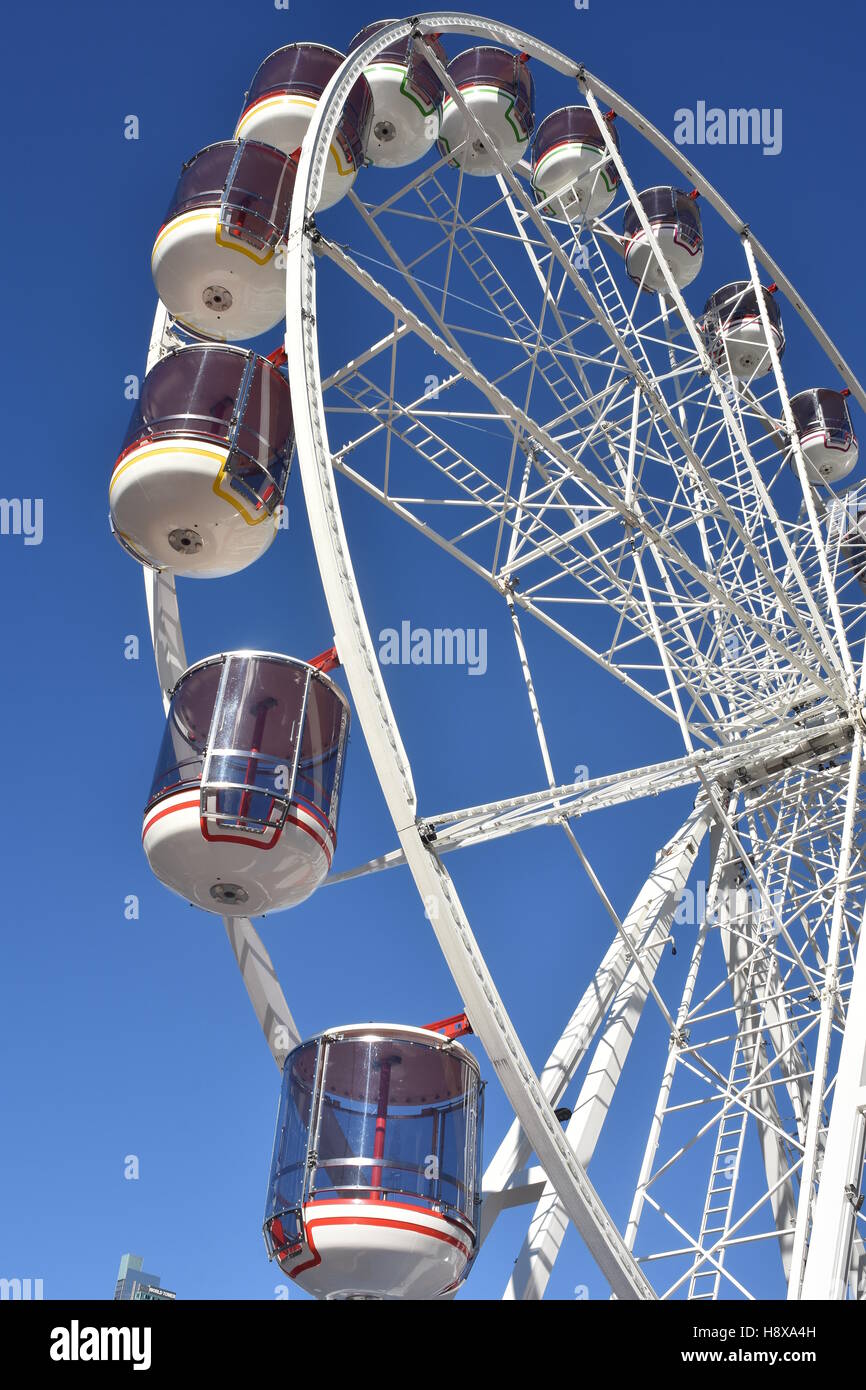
(135, 1037)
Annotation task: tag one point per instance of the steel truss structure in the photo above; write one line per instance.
(657, 516)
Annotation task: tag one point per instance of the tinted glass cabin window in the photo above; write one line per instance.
(257, 201)
(196, 392)
(834, 410)
(430, 1100)
(305, 70)
(575, 123)
(665, 206)
(320, 762)
(202, 179)
(421, 75)
(190, 392)
(265, 436)
(255, 738)
(285, 1187)
(805, 411)
(737, 301)
(354, 125)
(496, 67)
(184, 740)
(429, 1093)
(251, 182)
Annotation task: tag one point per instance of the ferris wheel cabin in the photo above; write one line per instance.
(675, 220)
(735, 333)
(827, 436)
(281, 101)
(406, 99)
(499, 91)
(214, 262)
(376, 1169)
(572, 177)
(204, 465)
(242, 814)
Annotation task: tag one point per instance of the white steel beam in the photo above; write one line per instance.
(731, 420)
(737, 946)
(829, 1005)
(802, 473)
(719, 848)
(459, 947)
(263, 987)
(652, 910)
(166, 633)
(758, 760)
(829, 1259)
(549, 1222)
(650, 390)
(169, 652)
(755, 527)
(159, 585)
(680, 559)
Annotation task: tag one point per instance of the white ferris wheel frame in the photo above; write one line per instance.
(818, 1236)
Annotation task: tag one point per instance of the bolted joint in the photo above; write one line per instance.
(854, 1197)
(311, 231)
(680, 1038)
(426, 833)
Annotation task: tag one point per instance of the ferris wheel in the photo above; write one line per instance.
(499, 328)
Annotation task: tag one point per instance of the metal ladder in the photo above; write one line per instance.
(725, 1169)
(430, 446)
(501, 296)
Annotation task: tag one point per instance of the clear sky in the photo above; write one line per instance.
(136, 1037)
